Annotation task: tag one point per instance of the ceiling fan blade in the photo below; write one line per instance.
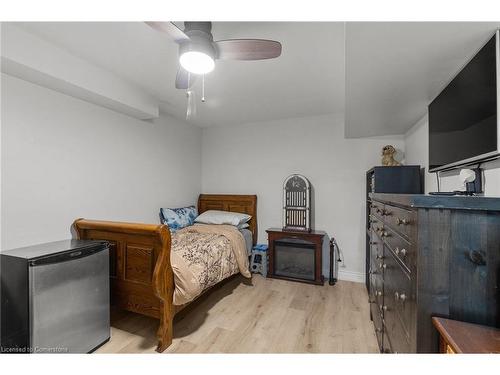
(247, 49)
(184, 79)
(169, 28)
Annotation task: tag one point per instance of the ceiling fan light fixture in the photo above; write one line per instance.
(198, 50)
(197, 62)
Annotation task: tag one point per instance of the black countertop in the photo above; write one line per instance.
(51, 248)
(457, 202)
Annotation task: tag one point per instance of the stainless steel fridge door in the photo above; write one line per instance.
(69, 304)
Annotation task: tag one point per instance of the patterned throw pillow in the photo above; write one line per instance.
(178, 218)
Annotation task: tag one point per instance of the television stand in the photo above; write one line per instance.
(473, 187)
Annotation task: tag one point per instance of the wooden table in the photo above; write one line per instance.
(461, 337)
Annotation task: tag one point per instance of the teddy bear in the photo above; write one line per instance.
(388, 153)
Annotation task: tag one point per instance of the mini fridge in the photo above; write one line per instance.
(55, 297)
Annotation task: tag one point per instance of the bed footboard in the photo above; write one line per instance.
(141, 276)
(163, 287)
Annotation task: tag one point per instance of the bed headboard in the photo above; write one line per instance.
(246, 204)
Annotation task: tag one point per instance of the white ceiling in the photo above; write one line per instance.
(393, 70)
(305, 80)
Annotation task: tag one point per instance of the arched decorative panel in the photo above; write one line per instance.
(297, 203)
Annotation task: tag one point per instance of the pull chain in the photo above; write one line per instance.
(190, 103)
(203, 89)
(189, 96)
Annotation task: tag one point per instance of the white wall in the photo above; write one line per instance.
(30, 57)
(256, 158)
(417, 152)
(63, 158)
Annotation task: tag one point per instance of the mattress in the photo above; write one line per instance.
(203, 255)
(247, 235)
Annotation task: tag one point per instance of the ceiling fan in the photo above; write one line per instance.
(198, 51)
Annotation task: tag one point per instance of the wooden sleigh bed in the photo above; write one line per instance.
(142, 279)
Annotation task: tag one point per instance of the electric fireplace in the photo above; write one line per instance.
(295, 256)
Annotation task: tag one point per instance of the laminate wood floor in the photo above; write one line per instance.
(263, 316)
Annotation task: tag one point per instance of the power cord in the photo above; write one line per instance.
(340, 258)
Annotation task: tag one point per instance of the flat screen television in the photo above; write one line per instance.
(463, 119)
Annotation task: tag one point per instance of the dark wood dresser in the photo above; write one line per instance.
(403, 179)
(431, 256)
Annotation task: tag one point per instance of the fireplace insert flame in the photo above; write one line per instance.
(294, 258)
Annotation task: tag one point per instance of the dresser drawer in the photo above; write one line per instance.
(376, 247)
(377, 286)
(377, 209)
(376, 223)
(401, 248)
(399, 300)
(394, 337)
(386, 343)
(377, 324)
(377, 266)
(376, 233)
(377, 291)
(401, 220)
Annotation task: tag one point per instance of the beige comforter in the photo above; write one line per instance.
(203, 255)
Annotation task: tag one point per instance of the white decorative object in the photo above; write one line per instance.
(467, 175)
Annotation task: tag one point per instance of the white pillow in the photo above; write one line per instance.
(240, 227)
(222, 217)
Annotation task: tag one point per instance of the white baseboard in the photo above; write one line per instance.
(357, 277)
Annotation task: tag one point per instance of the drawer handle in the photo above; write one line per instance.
(383, 307)
(477, 257)
(401, 252)
(378, 293)
(403, 221)
(382, 265)
(400, 297)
